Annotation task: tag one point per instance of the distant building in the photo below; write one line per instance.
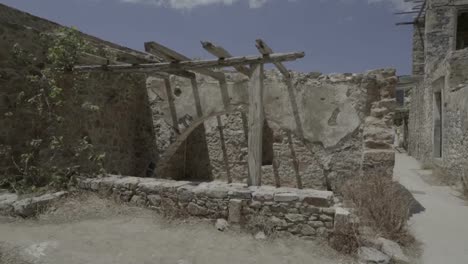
(438, 110)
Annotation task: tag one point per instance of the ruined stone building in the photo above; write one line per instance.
(319, 130)
(438, 116)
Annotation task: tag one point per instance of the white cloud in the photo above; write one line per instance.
(398, 5)
(189, 4)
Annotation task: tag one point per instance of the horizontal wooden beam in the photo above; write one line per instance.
(221, 53)
(173, 56)
(265, 50)
(194, 65)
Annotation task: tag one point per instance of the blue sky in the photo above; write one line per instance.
(337, 35)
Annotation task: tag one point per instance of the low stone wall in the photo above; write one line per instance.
(305, 213)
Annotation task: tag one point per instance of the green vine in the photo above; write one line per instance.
(52, 157)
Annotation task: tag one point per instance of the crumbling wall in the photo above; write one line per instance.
(445, 72)
(332, 112)
(122, 127)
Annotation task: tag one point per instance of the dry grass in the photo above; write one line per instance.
(382, 205)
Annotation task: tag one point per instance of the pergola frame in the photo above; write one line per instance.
(171, 62)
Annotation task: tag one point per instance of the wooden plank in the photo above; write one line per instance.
(173, 56)
(295, 108)
(265, 50)
(172, 108)
(221, 53)
(193, 65)
(256, 118)
(196, 97)
(295, 162)
(224, 149)
(224, 94)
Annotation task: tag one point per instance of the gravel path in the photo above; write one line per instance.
(443, 227)
(91, 230)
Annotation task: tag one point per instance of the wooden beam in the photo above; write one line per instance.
(172, 108)
(194, 65)
(173, 56)
(196, 97)
(184, 74)
(256, 119)
(265, 50)
(295, 162)
(221, 53)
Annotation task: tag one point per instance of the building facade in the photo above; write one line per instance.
(438, 118)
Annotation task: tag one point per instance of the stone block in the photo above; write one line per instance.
(196, 210)
(129, 183)
(392, 249)
(263, 193)
(294, 217)
(307, 230)
(138, 200)
(154, 200)
(286, 197)
(235, 211)
(316, 198)
(342, 219)
(367, 255)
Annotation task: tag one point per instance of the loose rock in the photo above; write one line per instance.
(367, 255)
(221, 224)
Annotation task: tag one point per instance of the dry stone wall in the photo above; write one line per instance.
(305, 213)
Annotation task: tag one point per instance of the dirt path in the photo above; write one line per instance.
(443, 227)
(95, 231)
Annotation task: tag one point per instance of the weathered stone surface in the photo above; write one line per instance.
(138, 200)
(260, 236)
(263, 193)
(6, 203)
(196, 210)
(307, 230)
(286, 197)
(368, 255)
(342, 219)
(235, 211)
(221, 224)
(392, 249)
(316, 198)
(127, 183)
(154, 200)
(294, 217)
(31, 206)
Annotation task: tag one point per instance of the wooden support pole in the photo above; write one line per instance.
(196, 97)
(172, 108)
(256, 119)
(295, 162)
(224, 149)
(193, 65)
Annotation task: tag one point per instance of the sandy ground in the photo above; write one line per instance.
(443, 227)
(92, 230)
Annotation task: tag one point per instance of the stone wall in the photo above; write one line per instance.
(445, 72)
(306, 213)
(337, 113)
(122, 127)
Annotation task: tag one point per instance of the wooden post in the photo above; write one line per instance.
(170, 100)
(256, 119)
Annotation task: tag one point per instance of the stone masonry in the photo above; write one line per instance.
(305, 213)
(439, 138)
(346, 121)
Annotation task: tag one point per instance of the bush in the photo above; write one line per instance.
(381, 204)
